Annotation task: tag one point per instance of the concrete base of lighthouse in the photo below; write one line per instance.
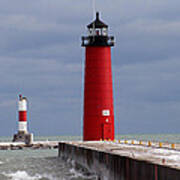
(23, 137)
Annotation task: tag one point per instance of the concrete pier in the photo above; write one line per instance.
(34, 145)
(114, 161)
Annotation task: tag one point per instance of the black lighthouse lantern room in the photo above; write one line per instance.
(97, 34)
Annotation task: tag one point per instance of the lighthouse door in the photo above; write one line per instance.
(107, 131)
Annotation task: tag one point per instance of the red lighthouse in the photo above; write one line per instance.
(98, 90)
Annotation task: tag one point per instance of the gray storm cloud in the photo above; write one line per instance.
(41, 57)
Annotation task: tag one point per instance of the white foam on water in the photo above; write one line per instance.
(77, 174)
(48, 176)
(21, 175)
(1, 162)
(73, 173)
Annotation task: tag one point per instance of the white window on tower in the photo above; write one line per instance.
(106, 112)
(104, 32)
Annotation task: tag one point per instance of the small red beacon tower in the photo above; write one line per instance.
(98, 90)
(22, 135)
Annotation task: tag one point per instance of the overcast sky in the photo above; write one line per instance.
(42, 58)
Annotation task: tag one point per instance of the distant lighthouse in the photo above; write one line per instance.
(22, 108)
(98, 88)
(22, 135)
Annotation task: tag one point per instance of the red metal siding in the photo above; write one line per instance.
(98, 94)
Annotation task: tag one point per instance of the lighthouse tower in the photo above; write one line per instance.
(22, 108)
(22, 135)
(98, 89)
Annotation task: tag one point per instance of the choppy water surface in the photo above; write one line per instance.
(171, 138)
(38, 165)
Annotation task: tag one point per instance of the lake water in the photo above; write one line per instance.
(38, 165)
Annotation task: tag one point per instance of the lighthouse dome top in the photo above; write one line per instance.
(97, 34)
(97, 23)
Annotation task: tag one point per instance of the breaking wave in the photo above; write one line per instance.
(79, 174)
(40, 165)
(23, 175)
